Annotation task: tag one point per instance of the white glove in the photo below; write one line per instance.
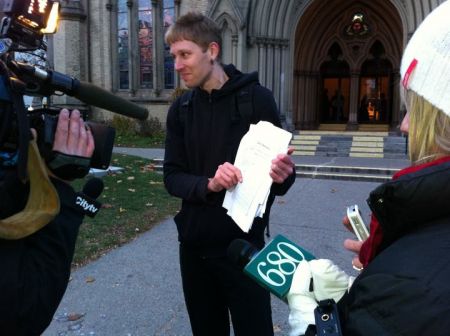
(328, 282)
(300, 300)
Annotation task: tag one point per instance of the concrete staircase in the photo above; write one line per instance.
(335, 143)
(346, 173)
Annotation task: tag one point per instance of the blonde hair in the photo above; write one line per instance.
(195, 27)
(429, 130)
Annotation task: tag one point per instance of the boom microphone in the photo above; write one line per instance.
(53, 81)
(273, 267)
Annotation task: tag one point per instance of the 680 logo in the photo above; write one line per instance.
(280, 263)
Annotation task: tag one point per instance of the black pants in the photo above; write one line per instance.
(214, 289)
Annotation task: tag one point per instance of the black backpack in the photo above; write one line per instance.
(243, 101)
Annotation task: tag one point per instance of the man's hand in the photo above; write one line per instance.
(282, 167)
(72, 137)
(226, 177)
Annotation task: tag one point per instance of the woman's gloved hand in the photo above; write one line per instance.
(314, 281)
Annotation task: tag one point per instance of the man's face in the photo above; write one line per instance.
(191, 62)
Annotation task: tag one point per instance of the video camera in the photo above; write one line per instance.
(22, 28)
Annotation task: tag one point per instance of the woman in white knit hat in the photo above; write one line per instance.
(404, 288)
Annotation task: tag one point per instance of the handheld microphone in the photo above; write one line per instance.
(85, 200)
(86, 92)
(273, 267)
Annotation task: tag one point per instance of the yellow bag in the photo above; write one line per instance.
(42, 204)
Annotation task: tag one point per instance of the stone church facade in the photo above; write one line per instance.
(333, 61)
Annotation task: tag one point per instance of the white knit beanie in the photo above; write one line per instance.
(425, 67)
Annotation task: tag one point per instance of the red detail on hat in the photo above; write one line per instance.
(408, 73)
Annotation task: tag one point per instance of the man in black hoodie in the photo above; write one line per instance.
(204, 129)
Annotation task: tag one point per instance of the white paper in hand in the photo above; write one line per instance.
(262, 143)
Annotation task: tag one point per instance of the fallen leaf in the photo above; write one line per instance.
(149, 204)
(148, 167)
(107, 206)
(132, 190)
(333, 190)
(90, 279)
(74, 316)
(119, 181)
(122, 209)
(130, 178)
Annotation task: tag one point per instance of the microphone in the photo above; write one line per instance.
(85, 200)
(273, 267)
(88, 93)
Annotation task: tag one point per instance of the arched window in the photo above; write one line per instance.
(144, 60)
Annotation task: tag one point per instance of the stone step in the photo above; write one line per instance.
(347, 173)
(360, 127)
(343, 144)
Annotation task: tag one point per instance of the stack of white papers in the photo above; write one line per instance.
(262, 143)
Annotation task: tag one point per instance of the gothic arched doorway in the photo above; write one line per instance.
(355, 50)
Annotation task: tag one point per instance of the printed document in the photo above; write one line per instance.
(262, 143)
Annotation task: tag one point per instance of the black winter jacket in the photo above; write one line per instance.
(405, 290)
(196, 144)
(35, 270)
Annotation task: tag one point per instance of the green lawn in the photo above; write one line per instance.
(133, 202)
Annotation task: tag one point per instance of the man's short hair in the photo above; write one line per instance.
(194, 27)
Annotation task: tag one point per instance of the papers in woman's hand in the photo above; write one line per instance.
(262, 143)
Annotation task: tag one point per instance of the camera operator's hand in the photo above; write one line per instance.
(72, 148)
(72, 137)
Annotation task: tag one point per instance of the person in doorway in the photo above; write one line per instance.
(403, 284)
(325, 105)
(337, 105)
(204, 129)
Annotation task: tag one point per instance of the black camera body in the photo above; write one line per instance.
(44, 121)
(22, 29)
(326, 316)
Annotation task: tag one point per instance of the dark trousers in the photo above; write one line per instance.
(214, 289)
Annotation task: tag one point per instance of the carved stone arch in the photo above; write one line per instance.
(320, 24)
(323, 53)
(230, 32)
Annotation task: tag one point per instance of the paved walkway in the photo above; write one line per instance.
(135, 290)
(158, 153)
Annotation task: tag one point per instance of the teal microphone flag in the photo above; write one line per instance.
(274, 266)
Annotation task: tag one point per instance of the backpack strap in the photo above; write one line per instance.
(244, 103)
(185, 106)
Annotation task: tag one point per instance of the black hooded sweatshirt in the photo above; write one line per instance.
(197, 143)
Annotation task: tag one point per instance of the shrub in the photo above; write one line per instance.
(123, 125)
(150, 127)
